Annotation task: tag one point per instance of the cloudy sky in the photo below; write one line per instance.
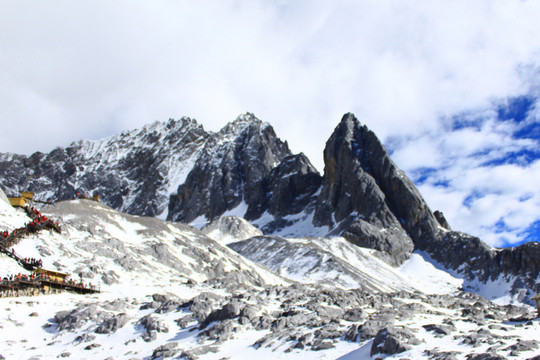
(451, 87)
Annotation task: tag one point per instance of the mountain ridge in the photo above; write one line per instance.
(177, 170)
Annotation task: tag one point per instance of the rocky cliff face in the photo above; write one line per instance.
(479, 263)
(366, 197)
(372, 203)
(132, 171)
(233, 166)
(179, 171)
(174, 170)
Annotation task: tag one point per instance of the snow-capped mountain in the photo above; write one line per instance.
(134, 172)
(178, 171)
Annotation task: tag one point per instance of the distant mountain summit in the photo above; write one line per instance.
(133, 172)
(177, 171)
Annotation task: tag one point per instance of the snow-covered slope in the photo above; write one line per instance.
(338, 263)
(227, 229)
(169, 291)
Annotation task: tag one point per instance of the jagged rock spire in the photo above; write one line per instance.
(366, 197)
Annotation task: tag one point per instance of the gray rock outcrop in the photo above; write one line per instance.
(393, 340)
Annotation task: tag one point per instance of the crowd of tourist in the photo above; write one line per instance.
(38, 279)
(39, 221)
(34, 280)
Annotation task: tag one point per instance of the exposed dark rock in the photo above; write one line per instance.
(441, 219)
(161, 298)
(165, 351)
(440, 329)
(228, 172)
(361, 179)
(85, 338)
(375, 323)
(202, 305)
(171, 305)
(130, 165)
(319, 345)
(92, 346)
(229, 311)
(485, 356)
(218, 332)
(363, 195)
(392, 340)
(435, 354)
(110, 325)
(354, 315)
(291, 185)
(523, 345)
(74, 319)
(352, 333)
(152, 326)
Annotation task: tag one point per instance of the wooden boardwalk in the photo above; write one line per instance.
(41, 281)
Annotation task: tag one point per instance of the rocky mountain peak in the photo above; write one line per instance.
(233, 167)
(241, 122)
(366, 197)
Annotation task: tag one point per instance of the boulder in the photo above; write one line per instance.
(392, 340)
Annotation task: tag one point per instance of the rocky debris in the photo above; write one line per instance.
(440, 329)
(231, 310)
(116, 305)
(73, 319)
(219, 332)
(392, 340)
(375, 323)
(202, 305)
(112, 324)
(435, 354)
(85, 338)
(165, 351)
(92, 346)
(354, 315)
(478, 338)
(522, 345)
(485, 356)
(163, 303)
(319, 345)
(151, 326)
(309, 318)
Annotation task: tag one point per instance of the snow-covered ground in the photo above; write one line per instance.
(169, 290)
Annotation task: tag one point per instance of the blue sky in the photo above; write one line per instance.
(484, 170)
(450, 86)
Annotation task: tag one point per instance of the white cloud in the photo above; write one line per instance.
(86, 70)
(484, 191)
